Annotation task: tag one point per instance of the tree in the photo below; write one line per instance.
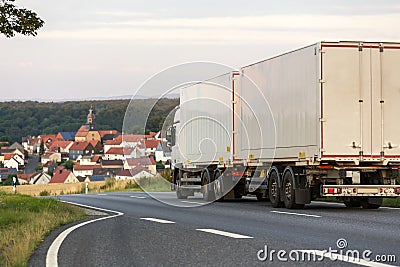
(69, 165)
(10, 180)
(18, 20)
(41, 148)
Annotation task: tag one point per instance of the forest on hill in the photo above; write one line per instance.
(18, 119)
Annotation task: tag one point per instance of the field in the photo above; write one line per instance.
(25, 221)
(148, 184)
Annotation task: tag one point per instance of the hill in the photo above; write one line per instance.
(18, 119)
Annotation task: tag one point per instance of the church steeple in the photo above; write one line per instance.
(91, 119)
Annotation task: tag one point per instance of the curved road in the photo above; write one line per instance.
(150, 233)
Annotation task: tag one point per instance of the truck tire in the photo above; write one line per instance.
(218, 186)
(180, 195)
(208, 190)
(371, 203)
(289, 197)
(274, 190)
(352, 203)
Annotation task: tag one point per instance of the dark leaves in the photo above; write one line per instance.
(18, 20)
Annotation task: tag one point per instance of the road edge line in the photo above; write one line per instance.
(52, 252)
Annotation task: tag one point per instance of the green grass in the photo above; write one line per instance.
(25, 221)
(391, 202)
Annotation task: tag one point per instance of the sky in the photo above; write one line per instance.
(103, 49)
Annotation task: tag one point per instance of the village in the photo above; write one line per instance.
(87, 155)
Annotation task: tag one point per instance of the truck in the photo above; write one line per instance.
(320, 121)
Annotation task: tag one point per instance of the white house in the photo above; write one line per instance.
(51, 157)
(133, 174)
(163, 152)
(85, 170)
(40, 178)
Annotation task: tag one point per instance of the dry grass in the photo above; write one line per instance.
(25, 221)
(147, 184)
(54, 189)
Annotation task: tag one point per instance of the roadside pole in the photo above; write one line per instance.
(14, 184)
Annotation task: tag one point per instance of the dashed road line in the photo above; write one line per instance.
(102, 194)
(192, 202)
(296, 214)
(52, 253)
(223, 233)
(157, 220)
(140, 197)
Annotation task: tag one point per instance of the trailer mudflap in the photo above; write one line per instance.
(302, 196)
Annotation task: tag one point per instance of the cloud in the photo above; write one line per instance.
(125, 14)
(274, 29)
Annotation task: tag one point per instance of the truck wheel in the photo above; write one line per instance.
(289, 194)
(180, 195)
(218, 186)
(208, 192)
(260, 197)
(273, 190)
(352, 203)
(371, 203)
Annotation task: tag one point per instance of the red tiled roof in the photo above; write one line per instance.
(96, 158)
(82, 132)
(60, 144)
(119, 151)
(80, 145)
(149, 143)
(26, 177)
(140, 161)
(117, 141)
(60, 177)
(86, 167)
(132, 137)
(8, 156)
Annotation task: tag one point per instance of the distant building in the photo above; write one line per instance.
(147, 163)
(79, 149)
(63, 176)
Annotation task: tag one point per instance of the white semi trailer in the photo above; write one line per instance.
(323, 120)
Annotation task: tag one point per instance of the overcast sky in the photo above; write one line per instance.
(99, 48)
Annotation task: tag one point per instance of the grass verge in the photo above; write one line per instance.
(25, 221)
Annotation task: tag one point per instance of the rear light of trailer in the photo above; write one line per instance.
(330, 190)
(397, 190)
(326, 167)
(237, 174)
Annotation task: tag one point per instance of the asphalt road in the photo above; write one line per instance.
(151, 233)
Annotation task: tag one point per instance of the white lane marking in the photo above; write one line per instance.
(137, 197)
(52, 253)
(192, 202)
(102, 194)
(156, 220)
(344, 258)
(296, 214)
(389, 208)
(223, 233)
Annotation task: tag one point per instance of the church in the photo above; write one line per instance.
(89, 131)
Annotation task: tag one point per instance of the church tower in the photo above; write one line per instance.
(91, 119)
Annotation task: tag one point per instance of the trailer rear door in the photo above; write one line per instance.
(360, 92)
